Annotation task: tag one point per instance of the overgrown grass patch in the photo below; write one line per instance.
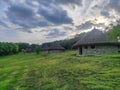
(62, 71)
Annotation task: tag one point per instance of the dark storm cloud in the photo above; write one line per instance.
(54, 13)
(84, 26)
(55, 33)
(24, 16)
(20, 11)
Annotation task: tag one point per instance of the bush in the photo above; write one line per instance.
(37, 50)
(8, 48)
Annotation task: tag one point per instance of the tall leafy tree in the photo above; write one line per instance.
(114, 33)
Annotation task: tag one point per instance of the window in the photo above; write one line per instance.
(86, 47)
(80, 51)
(93, 46)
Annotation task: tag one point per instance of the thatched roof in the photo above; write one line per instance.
(56, 46)
(45, 48)
(94, 37)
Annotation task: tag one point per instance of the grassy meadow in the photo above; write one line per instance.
(63, 71)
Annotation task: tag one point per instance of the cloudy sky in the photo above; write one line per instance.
(39, 21)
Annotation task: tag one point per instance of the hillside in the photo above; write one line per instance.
(63, 71)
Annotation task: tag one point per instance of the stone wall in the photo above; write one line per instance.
(98, 50)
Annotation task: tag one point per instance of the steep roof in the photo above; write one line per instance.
(94, 37)
(56, 46)
(45, 48)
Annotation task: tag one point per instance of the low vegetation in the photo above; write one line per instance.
(65, 71)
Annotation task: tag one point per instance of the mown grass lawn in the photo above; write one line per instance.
(63, 71)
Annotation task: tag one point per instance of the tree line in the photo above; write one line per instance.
(29, 47)
(13, 48)
(66, 43)
(8, 48)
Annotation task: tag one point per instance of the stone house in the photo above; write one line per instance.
(96, 43)
(45, 48)
(28, 50)
(56, 48)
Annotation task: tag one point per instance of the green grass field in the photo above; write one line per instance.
(63, 71)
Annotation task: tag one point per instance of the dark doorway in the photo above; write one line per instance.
(119, 51)
(80, 50)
